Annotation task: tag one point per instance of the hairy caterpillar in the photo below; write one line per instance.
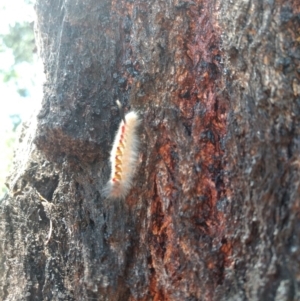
(123, 157)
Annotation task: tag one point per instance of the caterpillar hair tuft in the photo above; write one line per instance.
(123, 158)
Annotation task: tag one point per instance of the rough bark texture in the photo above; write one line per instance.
(214, 212)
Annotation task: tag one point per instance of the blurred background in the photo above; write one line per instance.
(21, 77)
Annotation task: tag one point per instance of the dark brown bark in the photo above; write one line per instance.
(214, 209)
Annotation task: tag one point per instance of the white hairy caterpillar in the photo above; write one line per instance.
(123, 157)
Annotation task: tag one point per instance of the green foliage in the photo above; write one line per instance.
(9, 75)
(30, 2)
(17, 46)
(20, 40)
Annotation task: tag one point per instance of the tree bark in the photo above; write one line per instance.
(214, 211)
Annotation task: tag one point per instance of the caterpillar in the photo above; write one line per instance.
(123, 157)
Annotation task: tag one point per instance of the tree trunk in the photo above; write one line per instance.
(214, 210)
